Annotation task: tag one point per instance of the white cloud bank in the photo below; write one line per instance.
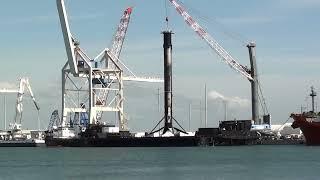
(232, 101)
(8, 85)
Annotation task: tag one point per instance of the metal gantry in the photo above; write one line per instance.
(93, 90)
(93, 86)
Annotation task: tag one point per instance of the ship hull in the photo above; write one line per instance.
(310, 130)
(123, 142)
(20, 144)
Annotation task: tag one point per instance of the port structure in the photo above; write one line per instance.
(168, 108)
(23, 86)
(94, 86)
(313, 94)
(250, 74)
(54, 121)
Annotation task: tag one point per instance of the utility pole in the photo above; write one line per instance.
(159, 109)
(200, 114)
(159, 101)
(225, 110)
(190, 116)
(39, 121)
(205, 106)
(5, 112)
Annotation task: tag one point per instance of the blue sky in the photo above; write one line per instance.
(286, 33)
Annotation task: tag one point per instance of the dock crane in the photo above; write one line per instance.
(250, 74)
(121, 32)
(99, 79)
(54, 121)
(23, 86)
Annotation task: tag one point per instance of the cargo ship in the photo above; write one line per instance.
(309, 123)
(22, 143)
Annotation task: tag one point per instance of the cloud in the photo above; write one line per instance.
(8, 85)
(26, 20)
(88, 16)
(298, 4)
(232, 101)
(216, 95)
(48, 18)
(245, 20)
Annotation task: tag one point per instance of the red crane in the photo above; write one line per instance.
(250, 74)
(121, 33)
(226, 57)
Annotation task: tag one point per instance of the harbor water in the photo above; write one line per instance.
(283, 162)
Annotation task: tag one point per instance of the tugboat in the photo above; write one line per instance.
(309, 123)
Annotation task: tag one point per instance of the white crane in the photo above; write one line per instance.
(99, 79)
(76, 54)
(23, 85)
(251, 74)
(68, 39)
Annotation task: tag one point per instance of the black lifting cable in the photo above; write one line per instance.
(261, 105)
(262, 98)
(167, 14)
(283, 124)
(213, 20)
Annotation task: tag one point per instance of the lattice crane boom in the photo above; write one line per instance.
(120, 34)
(116, 48)
(54, 120)
(226, 57)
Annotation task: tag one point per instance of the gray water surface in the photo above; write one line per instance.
(197, 163)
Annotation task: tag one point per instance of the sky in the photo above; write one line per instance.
(286, 33)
